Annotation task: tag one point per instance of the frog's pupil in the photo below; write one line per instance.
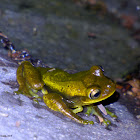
(97, 94)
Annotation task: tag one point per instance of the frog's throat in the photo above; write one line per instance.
(90, 101)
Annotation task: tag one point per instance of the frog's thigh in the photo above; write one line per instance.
(32, 76)
(21, 81)
(55, 102)
(20, 78)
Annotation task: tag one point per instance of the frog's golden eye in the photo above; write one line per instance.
(95, 93)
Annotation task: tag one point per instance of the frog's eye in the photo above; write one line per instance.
(95, 93)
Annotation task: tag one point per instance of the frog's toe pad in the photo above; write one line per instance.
(88, 122)
(106, 122)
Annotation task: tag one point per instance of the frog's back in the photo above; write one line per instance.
(59, 75)
(67, 84)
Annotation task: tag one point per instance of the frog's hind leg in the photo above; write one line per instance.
(29, 80)
(56, 102)
(23, 89)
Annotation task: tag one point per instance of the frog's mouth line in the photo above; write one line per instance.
(90, 101)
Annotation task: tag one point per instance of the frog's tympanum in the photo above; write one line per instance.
(67, 93)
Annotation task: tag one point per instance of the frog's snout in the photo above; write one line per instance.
(109, 89)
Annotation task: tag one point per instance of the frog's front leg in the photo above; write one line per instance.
(94, 110)
(29, 79)
(56, 102)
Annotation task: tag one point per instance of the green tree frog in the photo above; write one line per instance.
(64, 92)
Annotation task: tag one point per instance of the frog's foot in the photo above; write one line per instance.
(56, 102)
(111, 114)
(94, 110)
(22, 92)
(30, 93)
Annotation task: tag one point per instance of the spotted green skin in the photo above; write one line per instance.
(67, 93)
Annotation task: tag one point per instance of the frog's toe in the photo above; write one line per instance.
(108, 127)
(21, 92)
(36, 100)
(111, 114)
(106, 122)
(88, 122)
(87, 113)
(17, 92)
(114, 117)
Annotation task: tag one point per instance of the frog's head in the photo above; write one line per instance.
(100, 87)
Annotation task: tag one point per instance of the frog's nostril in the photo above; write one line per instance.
(108, 86)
